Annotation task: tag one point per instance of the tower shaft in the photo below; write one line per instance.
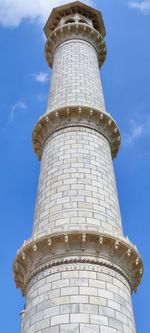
(75, 76)
(77, 271)
(77, 189)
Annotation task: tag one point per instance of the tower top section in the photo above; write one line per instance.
(75, 11)
(75, 20)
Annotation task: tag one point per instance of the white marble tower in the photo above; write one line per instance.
(78, 271)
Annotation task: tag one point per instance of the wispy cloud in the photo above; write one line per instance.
(41, 77)
(142, 6)
(15, 107)
(136, 131)
(13, 12)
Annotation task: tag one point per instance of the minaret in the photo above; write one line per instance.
(77, 271)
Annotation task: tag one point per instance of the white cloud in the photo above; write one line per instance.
(142, 6)
(136, 131)
(41, 77)
(18, 105)
(13, 12)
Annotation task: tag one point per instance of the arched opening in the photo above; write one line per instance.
(83, 21)
(71, 20)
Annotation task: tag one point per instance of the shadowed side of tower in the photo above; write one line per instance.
(78, 270)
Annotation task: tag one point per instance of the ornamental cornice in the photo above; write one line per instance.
(74, 116)
(75, 31)
(58, 249)
(74, 8)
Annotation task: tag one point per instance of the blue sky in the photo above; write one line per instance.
(24, 88)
